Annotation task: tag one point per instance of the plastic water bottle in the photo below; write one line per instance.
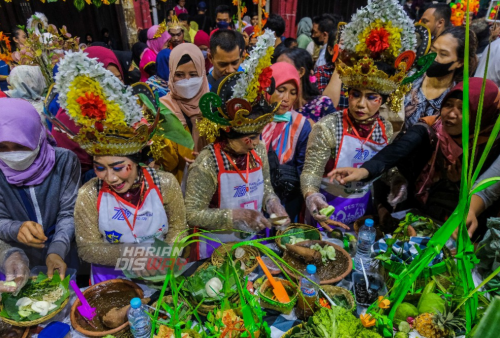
(309, 291)
(366, 238)
(140, 323)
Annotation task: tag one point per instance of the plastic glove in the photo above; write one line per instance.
(399, 190)
(315, 202)
(16, 268)
(274, 206)
(248, 220)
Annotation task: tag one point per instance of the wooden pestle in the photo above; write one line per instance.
(117, 316)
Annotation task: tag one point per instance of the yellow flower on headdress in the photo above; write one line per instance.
(84, 90)
(253, 87)
(378, 30)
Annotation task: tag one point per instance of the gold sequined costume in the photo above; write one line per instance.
(91, 246)
(320, 148)
(202, 185)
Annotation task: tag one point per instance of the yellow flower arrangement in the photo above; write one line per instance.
(253, 87)
(80, 87)
(394, 41)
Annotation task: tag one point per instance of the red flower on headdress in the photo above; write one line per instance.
(378, 40)
(265, 78)
(92, 106)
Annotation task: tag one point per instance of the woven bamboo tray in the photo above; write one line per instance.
(34, 322)
(295, 226)
(293, 330)
(219, 255)
(204, 309)
(272, 304)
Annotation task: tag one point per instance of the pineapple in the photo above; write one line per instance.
(439, 325)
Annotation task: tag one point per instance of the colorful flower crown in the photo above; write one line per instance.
(241, 95)
(110, 118)
(381, 32)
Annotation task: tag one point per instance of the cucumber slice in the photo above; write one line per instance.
(328, 211)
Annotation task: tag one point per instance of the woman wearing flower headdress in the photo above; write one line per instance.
(111, 63)
(158, 38)
(229, 184)
(125, 203)
(353, 136)
(429, 156)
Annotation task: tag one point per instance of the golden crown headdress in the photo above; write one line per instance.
(111, 120)
(174, 23)
(240, 102)
(379, 33)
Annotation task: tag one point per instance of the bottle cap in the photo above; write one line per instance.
(369, 222)
(311, 269)
(135, 303)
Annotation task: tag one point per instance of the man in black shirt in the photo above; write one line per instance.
(225, 54)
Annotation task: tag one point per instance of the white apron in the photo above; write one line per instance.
(351, 200)
(122, 222)
(233, 194)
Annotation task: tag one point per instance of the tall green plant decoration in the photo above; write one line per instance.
(250, 307)
(466, 258)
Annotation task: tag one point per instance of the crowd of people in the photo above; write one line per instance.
(105, 155)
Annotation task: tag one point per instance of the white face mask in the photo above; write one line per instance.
(205, 53)
(19, 160)
(188, 88)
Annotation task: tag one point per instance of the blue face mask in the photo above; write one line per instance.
(205, 53)
(286, 117)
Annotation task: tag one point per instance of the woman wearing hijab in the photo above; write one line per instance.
(138, 51)
(188, 83)
(28, 83)
(159, 82)
(304, 32)
(38, 187)
(111, 63)
(311, 103)
(202, 40)
(158, 38)
(286, 139)
(131, 74)
(430, 153)
(249, 36)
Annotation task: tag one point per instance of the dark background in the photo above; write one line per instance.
(92, 20)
